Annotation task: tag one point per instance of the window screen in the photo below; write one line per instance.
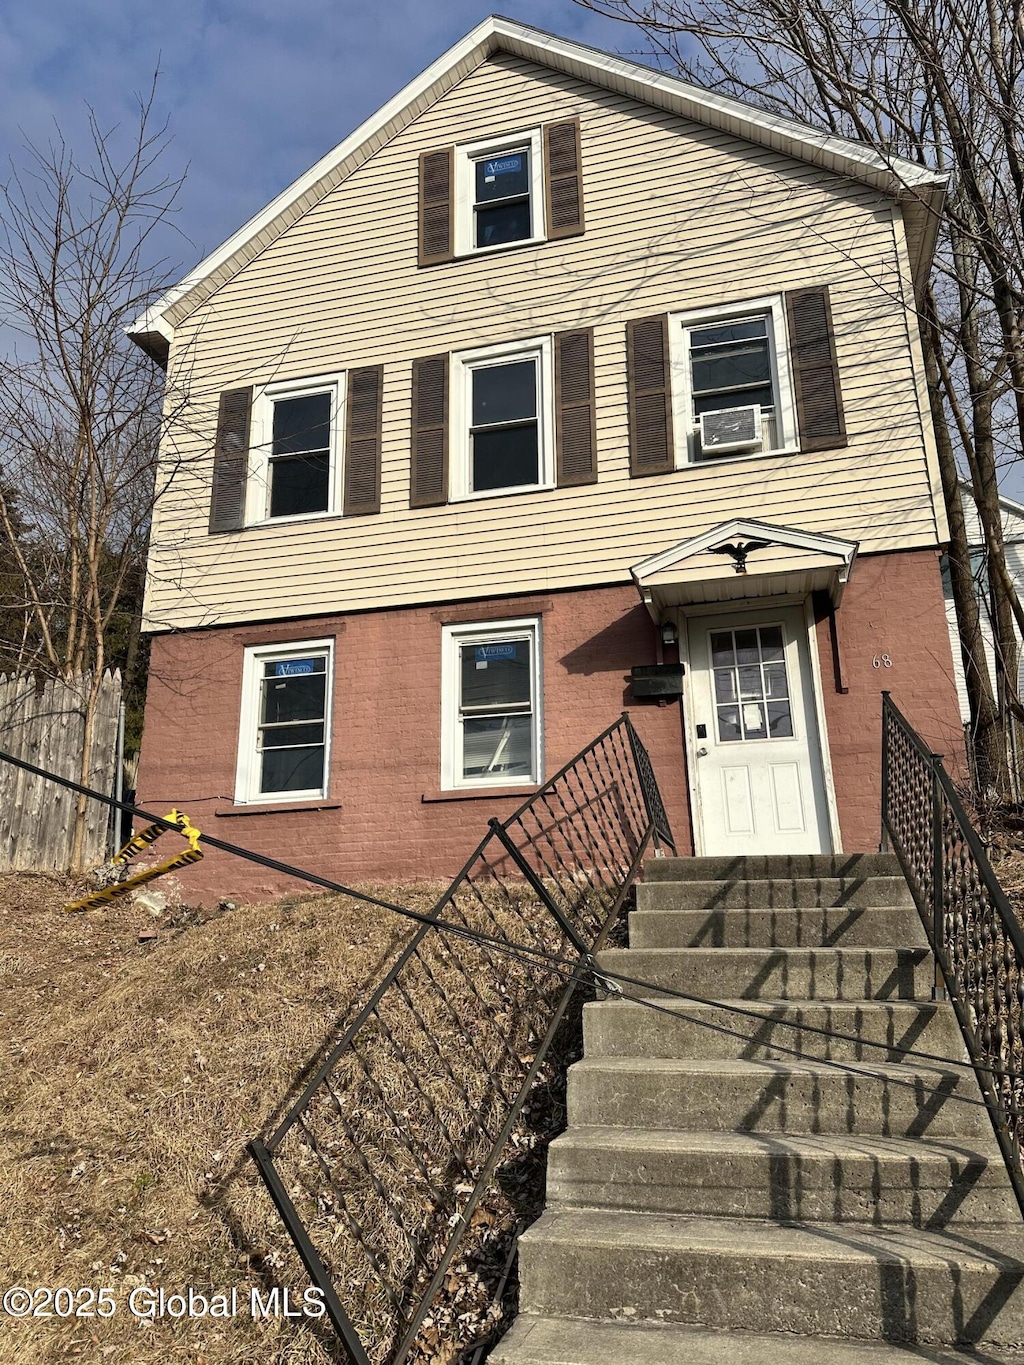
(300, 455)
(291, 734)
(496, 709)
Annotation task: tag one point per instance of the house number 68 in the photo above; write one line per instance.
(881, 661)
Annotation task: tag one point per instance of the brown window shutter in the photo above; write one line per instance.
(575, 433)
(437, 198)
(429, 483)
(650, 396)
(362, 440)
(563, 179)
(230, 461)
(819, 399)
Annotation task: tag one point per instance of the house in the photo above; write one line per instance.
(556, 367)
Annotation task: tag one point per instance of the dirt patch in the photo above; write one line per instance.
(132, 1076)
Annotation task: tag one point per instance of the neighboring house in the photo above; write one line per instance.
(475, 408)
(1013, 541)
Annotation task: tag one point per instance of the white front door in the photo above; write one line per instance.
(757, 770)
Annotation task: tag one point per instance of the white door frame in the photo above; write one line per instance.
(750, 604)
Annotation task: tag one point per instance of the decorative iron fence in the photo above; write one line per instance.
(973, 930)
(402, 1169)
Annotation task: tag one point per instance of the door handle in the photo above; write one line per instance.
(702, 752)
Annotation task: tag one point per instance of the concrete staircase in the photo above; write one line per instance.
(733, 1190)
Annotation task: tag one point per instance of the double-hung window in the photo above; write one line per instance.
(500, 198)
(284, 735)
(297, 438)
(503, 427)
(731, 365)
(732, 371)
(491, 705)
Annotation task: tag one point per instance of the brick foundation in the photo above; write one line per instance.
(390, 823)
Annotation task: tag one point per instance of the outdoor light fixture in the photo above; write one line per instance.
(668, 633)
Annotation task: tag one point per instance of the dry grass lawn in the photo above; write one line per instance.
(131, 1078)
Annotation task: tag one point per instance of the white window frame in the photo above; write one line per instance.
(257, 502)
(486, 633)
(247, 770)
(773, 308)
(460, 442)
(465, 189)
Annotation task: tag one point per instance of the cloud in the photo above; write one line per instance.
(254, 92)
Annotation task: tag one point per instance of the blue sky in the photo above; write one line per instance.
(255, 91)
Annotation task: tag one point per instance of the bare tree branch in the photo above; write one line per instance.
(80, 406)
(935, 82)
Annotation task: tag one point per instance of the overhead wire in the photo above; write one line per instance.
(584, 970)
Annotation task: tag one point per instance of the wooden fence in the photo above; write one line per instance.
(44, 723)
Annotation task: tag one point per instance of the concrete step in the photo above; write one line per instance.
(724, 1096)
(734, 867)
(583, 1341)
(778, 892)
(897, 1284)
(778, 973)
(894, 926)
(762, 1030)
(787, 1178)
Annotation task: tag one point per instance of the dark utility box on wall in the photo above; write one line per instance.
(657, 680)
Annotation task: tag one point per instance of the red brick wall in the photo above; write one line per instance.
(386, 737)
(892, 606)
(387, 715)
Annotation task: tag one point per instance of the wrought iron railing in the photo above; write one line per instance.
(973, 930)
(402, 1170)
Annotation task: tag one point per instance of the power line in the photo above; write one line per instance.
(568, 969)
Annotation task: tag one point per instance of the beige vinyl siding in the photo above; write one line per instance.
(679, 217)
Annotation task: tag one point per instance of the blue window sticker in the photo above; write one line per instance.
(293, 668)
(491, 653)
(502, 165)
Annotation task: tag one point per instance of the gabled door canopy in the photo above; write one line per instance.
(741, 559)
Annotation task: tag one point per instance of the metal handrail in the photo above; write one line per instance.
(972, 928)
(541, 890)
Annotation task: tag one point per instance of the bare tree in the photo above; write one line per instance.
(936, 82)
(80, 405)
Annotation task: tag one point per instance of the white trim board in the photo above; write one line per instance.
(918, 188)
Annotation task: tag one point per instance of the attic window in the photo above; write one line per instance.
(500, 194)
(501, 198)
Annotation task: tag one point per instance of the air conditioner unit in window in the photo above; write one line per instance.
(729, 429)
